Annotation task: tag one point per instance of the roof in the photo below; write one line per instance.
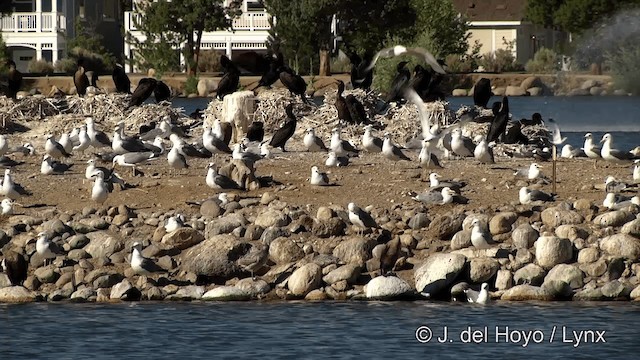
(491, 10)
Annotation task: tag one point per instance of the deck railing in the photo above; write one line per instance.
(250, 21)
(33, 22)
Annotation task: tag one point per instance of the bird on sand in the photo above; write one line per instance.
(341, 147)
(282, 135)
(50, 166)
(11, 189)
(334, 160)
(215, 180)
(483, 151)
(360, 218)
(6, 206)
(527, 196)
(312, 142)
(461, 145)
(442, 197)
(531, 172)
(318, 178)
(391, 151)
(436, 184)
(133, 159)
(99, 191)
(636, 172)
(590, 148)
(616, 201)
(609, 153)
(54, 149)
(427, 157)
(371, 143)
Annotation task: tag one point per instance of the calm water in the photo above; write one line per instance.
(576, 115)
(314, 330)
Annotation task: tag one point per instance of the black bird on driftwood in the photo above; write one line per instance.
(272, 74)
(294, 82)
(121, 80)
(15, 266)
(252, 62)
(14, 78)
(356, 110)
(230, 80)
(282, 135)
(361, 77)
(499, 123)
(256, 131)
(482, 92)
(421, 80)
(341, 105)
(161, 92)
(80, 78)
(143, 91)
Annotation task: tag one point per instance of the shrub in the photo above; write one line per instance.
(464, 63)
(191, 85)
(544, 61)
(502, 60)
(340, 64)
(624, 63)
(209, 61)
(66, 65)
(40, 67)
(4, 55)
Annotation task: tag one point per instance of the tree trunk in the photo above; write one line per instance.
(197, 51)
(325, 63)
(596, 69)
(188, 55)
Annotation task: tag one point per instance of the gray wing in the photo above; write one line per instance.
(622, 155)
(366, 219)
(468, 144)
(225, 182)
(320, 143)
(221, 145)
(446, 141)
(150, 266)
(397, 152)
(102, 138)
(537, 195)
(615, 186)
(428, 58)
(342, 160)
(429, 197)
(472, 295)
(348, 147)
(137, 157)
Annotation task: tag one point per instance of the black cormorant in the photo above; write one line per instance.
(361, 77)
(15, 266)
(282, 135)
(272, 74)
(80, 78)
(482, 92)
(15, 79)
(421, 81)
(230, 80)
(121, 80)
(161, 92)
(256, 131)
(341, 105)
(143, 91)
(499, 123)
(400, 81)
(356, 110)
(294, 82)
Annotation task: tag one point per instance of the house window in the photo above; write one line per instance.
(253, 5)
(23, 6)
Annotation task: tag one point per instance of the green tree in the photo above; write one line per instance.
(541, 12)
(182, 22)
(440, 28)
(87, 43)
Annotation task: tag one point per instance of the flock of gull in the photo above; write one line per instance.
(435, 143)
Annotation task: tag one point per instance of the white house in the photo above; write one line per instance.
(39, 29)
(250, 32)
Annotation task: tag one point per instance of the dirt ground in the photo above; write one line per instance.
(368, 180)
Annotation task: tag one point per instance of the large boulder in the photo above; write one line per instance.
(305, 279)
(554, 217)
(621, 245)
(631, 228)
(531, 81)
(103, 244)
(482, 269)
(614, 218)
(515, 91)
(551, 251)
(570, 274)
(16, 294)
(387, 288)
(502, 222)
(355, 250)
(226, 293)
(445, 226)
(524, 236)
(530, 274)
(224, 225)
(272, 217)
(215, 257)
(438, 272)
(527, 293)
(182, 238)
(284, 250)
(348, 273)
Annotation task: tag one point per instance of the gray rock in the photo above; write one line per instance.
(527, 293)
(227, 293)
(554, 217)
(255, 288)
(324, 213)
(272, 218)
(571, 232)
(614, 218)
(499, 91)
(284, 250)
(445, 226)
(103, 244)
(631, 228)
(316, 295)
(531, 81)
(595, 269)
(84, 294)
(77, 254)
(589, 295)
(596, 91)
(558, 288)
(119, 290)
(189, 292)
(620, 92)
(613, 289)
(482, 269)
(305, 279)
(60, 294)
(77, 241)
(327, 228)
(461, 240)
(504, 280)
(530, 274)
(213, 257)
(54, 226)
(16, 294)
(348, 272)
(419, 221)
(578, 92)
(107, 281)
(588, 84)
(535, 91)
(515, 91)
(567, 273)
(635, 293)
(387, 288)
(524, 236)
(182, 238)
(224, 225)
(46, 275)
(551, 251)
(438, 272)
(621, 245)
(588, 255)
(459, 92)
(501, 223)
(355, 250)
(210, 209)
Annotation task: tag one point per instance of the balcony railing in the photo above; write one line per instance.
(250, 21)
(33, 22)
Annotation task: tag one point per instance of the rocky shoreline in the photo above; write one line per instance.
(566, 251)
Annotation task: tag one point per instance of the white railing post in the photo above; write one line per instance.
(251, 25)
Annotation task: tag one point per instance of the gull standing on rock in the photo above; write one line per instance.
(312, 142)
(6, 206)
(255, 258)
(360, 218)
(140, 264)
(616, 202)
(636, 172)
(174, 223)
(480, 237)
(369, 142)
(54, 149)
(527, 196)
(392, 152)
(476, 297)
(318, 178)
(46, 248)
(483, 151)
